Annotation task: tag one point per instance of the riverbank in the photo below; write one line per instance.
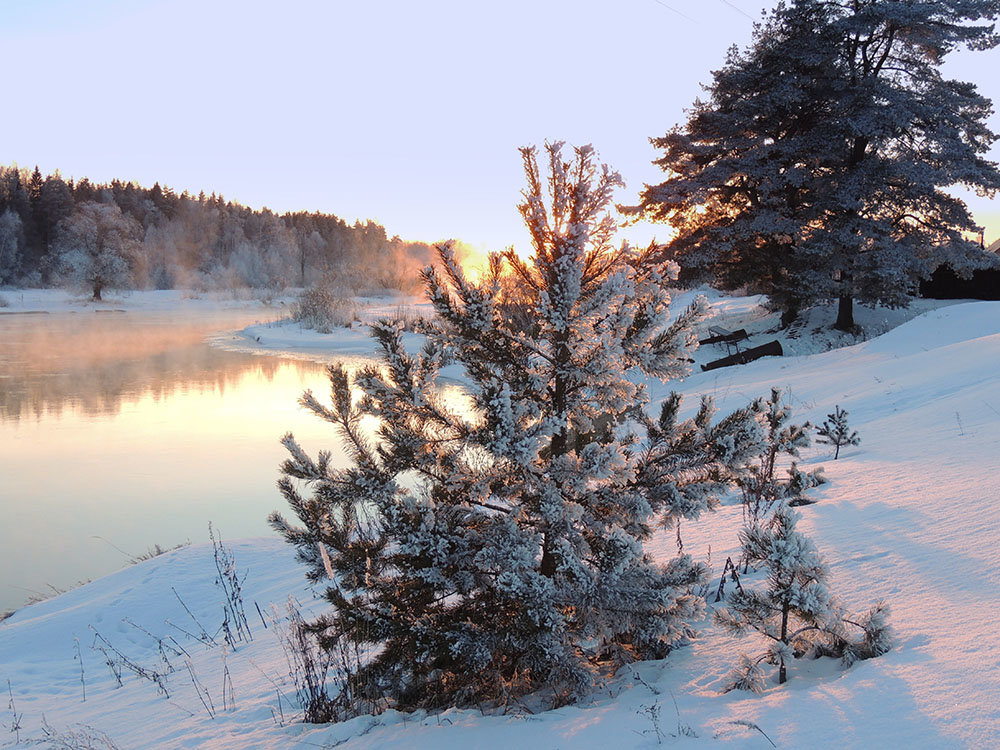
(811, 334)
(178, 301)
(908, 516)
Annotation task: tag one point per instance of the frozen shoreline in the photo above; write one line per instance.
(810, 335)
(276, 334)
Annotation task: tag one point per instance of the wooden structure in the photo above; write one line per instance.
(772, 349)
(731, 339)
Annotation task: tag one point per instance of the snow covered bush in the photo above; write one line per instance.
(484, 551)
(796, 611)
(763, 492)
(321, 309)
(836, 432)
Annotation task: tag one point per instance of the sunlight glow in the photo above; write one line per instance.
(473, 259)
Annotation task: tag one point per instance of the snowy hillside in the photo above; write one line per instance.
(909, 516)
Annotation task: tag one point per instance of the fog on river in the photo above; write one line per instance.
(120, 431)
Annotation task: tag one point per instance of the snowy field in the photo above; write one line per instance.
(909, 516)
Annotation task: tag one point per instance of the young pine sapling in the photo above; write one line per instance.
(836, 432)
(762, 491)
(796, 610)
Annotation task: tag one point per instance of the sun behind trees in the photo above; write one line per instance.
(478, 557)
(817, 169)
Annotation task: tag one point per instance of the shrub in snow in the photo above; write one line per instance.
(321, 309)
(761, 490)
(836, 432)
(795, 611)
(482, 553)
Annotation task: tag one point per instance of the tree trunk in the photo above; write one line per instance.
(547, 567)
(97, 293)
(782, 674)
(560, 441)
(789, 315)
(845, 314)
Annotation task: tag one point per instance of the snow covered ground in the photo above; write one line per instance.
(910, 516)
(811, 334)
(175, 301)
(286, 338)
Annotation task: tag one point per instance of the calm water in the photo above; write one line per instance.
(129, 430)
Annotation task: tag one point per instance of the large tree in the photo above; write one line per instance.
(818, 168)
(96, 247)
(493, 550)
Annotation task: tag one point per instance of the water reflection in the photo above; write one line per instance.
(129, 430)
(92, 362)
(135, 431)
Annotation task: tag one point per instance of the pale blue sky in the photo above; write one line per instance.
(409, 113)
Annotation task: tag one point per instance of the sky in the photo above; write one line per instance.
(408, 113)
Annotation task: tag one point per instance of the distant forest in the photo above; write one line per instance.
(64, 232)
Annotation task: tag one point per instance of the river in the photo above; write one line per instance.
(120, 431)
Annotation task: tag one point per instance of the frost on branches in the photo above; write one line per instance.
(96, 247)
(818, 169)
(761, 491)
(486, 553)
(795, 611)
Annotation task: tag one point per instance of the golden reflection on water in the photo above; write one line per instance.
(140, 435)
(134, 430)
(92, 363)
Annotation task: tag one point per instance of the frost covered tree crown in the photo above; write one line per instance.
(817, 168)
(494, 550)
(96, 246)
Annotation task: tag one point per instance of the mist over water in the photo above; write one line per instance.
(127, 430)
(92, 361)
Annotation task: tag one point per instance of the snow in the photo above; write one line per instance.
(288, 339)
(174, 301)
(909, 516)
(809, 335)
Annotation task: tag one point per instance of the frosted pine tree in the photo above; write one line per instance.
(739, 183)
(11, 242)
(486, 552)
(818, 168)
(835, 431)
(792, 609)
(795, 610)
(762, 491)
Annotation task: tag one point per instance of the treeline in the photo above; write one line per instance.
(119, 234)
